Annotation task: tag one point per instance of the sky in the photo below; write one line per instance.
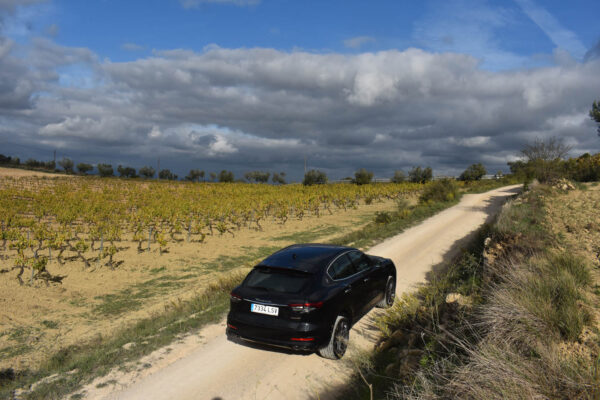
(249, 85)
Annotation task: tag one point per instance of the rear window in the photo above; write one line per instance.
(277, 280)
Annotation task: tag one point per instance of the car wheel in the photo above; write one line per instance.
(389, 295)
(338, 342)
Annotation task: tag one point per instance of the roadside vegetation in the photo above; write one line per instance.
(515, 316)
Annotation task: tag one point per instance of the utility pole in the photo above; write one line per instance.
(304, 165)
(55, 158)
(157, 168)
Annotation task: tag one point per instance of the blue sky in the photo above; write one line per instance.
(208, 83)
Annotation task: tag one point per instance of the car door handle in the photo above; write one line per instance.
(348, 290)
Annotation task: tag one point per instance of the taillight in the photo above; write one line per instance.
(306, 307)
(235, 298)
(302, 339)
(231, 326)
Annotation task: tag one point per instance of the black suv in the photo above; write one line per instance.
(307, 296)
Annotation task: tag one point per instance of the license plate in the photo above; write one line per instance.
(259, 308)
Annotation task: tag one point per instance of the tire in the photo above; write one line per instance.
(389, 294)
(338, 342)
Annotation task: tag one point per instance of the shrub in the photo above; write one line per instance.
(399, 177)
(66, 164)
(166, 174)
(362, 177)
(473, 173)
(314, 177)
(420, 175)
(126, 172)
(443, 190)
(383, 217)
(84, 168)
(105, 170)
(226, 176)
(147, 172)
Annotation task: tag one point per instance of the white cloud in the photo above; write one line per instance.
(358, 42)
(560, 36)
(196, 3)
(129, 46)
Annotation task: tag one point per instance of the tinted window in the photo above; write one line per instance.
(276, 280)
(341, 268)
(361, 262)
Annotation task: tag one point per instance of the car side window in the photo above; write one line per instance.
(360, 261)
(341, 268)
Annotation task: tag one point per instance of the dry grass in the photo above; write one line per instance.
(530, 327)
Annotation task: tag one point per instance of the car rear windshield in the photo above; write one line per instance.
(277, 280)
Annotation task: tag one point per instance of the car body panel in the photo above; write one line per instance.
(352, 296)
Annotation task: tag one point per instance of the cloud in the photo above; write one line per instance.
(196, 3)
(10, 5)
(560, 36)
(129, 46)
(358, 42)
(246, 109)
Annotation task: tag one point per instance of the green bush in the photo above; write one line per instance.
(443, 190)
(314, 177)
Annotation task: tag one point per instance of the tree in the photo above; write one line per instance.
(474, 172)
(213, 176)
(420, 175)
(226, 176)
(314, 177)
(194, 175)
(167, 175)
(595, 114)
(84, 168)
(257, 176)
(363, 177)
(544, 159)
(5, 159)
(278, 178)
(66, 164)
(399, 177)
(147, 172)
(126, 172)
(105, 170)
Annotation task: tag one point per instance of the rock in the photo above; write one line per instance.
(458, 298)
(128, 346)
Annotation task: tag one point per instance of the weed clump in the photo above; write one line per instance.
(443, 190)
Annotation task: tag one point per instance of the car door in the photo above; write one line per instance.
(344, 273)
(364, 266)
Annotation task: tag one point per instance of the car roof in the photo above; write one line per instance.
(308, 257)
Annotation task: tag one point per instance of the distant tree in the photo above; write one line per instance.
(363, 177)
(399, 177)
(32, 163)
(126, 172)
(105, 170)
(16, 161)
(314, 177)
(544, 159)
(278, 178)
(84, 168)
(147, 172)
(420, 175)
(66, 164)
(473, 173)
(595, 114)
(50, 165)
(5, 159)
(166, 174)
(226, 176)
(213, 176)
(257, 176)
(194, 175)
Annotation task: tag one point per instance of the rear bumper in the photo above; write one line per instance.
(308, 337)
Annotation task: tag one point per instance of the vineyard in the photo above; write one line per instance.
(92, 220)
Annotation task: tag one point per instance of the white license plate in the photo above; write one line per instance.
(259, 308)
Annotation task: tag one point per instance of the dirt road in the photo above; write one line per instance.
(215, 368)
